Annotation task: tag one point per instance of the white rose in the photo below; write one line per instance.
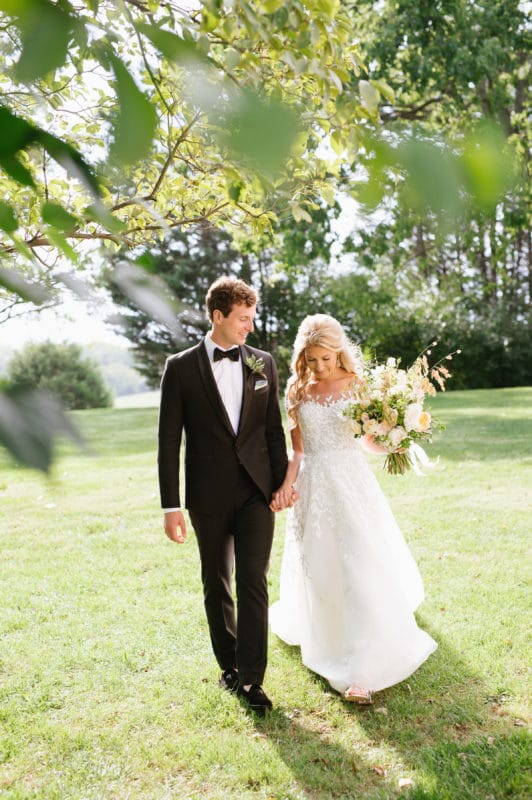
(371, 426)
(355, 427)
(412, 415)
(397, 435)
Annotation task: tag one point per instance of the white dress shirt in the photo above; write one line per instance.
(230, 382)
(229, 379)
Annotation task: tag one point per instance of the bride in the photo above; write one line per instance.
(349, 584)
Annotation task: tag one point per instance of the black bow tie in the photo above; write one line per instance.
(233, 354)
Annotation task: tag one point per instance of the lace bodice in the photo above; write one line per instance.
(323, 424)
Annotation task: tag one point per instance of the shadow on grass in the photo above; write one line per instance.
(440, 728)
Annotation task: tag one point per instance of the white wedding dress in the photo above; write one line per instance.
(349, 584)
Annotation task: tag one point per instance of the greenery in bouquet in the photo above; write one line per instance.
(389, 408)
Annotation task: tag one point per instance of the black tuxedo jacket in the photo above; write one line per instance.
(190, 402)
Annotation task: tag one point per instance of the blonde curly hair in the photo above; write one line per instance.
(318, 330)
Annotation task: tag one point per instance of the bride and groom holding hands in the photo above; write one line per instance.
(349, 585)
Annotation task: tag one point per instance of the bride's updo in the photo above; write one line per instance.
(317, 330)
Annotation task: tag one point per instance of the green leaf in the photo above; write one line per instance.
(99, 213)
(234, 190)
(209, 21)
(15, 133)
(172, 46)
(299, 214)
(370, 97)
(384, 89)
(56, 215)
(8, 220)
(69, 158)
(329, 7)
(338, 142)
(61, 243)
(15, 282)
(148, 292)
(30, 420)
(45, 30)
(432, 178)
(490, 166)
(17, 171)
(135, 127)
(271, 6)
(260, 132)
(328, 193)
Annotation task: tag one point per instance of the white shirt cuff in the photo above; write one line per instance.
(167, 510)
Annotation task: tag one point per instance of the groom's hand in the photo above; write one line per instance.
(174, 526)
(285, 497)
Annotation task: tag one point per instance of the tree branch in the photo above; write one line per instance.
(166, 166)
(410, 112)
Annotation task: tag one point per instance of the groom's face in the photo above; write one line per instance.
(235, 327)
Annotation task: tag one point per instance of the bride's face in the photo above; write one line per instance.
(321, 362)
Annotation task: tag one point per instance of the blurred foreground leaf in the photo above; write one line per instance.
(8, 220)
(14, 281)
(148, 292)
(30, 421)
(260, 132)
(45, 31)
(136, 121)
(491, 166)
(16, 135)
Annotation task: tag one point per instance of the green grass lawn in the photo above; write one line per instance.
(108, 688)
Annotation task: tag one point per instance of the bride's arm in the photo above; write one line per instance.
(370, 445)
(286, 494)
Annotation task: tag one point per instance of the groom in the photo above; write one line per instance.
(224, 395)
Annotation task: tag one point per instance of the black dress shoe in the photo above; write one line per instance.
(256, 698)
(229, 680)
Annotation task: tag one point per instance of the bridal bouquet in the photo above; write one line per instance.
(389, 408)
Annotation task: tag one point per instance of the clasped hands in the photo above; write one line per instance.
(284, 497)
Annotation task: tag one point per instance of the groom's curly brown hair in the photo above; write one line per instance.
(227, 292)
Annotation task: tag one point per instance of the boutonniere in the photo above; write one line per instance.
(256, 365)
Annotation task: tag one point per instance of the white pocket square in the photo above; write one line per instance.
(261, 384)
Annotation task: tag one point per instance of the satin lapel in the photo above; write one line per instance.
(211, 388)
(247, 385)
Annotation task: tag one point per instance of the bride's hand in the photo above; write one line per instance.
(284, 497)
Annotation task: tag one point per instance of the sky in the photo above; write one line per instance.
(71, 321)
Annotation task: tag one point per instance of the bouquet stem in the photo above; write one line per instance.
(397, 463)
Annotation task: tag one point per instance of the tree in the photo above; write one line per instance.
(288, 268)
(61, 370)
(168, 116)
(460, 68)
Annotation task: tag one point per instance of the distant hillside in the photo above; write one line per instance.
(116, 364)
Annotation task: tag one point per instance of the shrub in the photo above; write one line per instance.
(61, 369)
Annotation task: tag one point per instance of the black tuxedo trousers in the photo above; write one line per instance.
(229, 480)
